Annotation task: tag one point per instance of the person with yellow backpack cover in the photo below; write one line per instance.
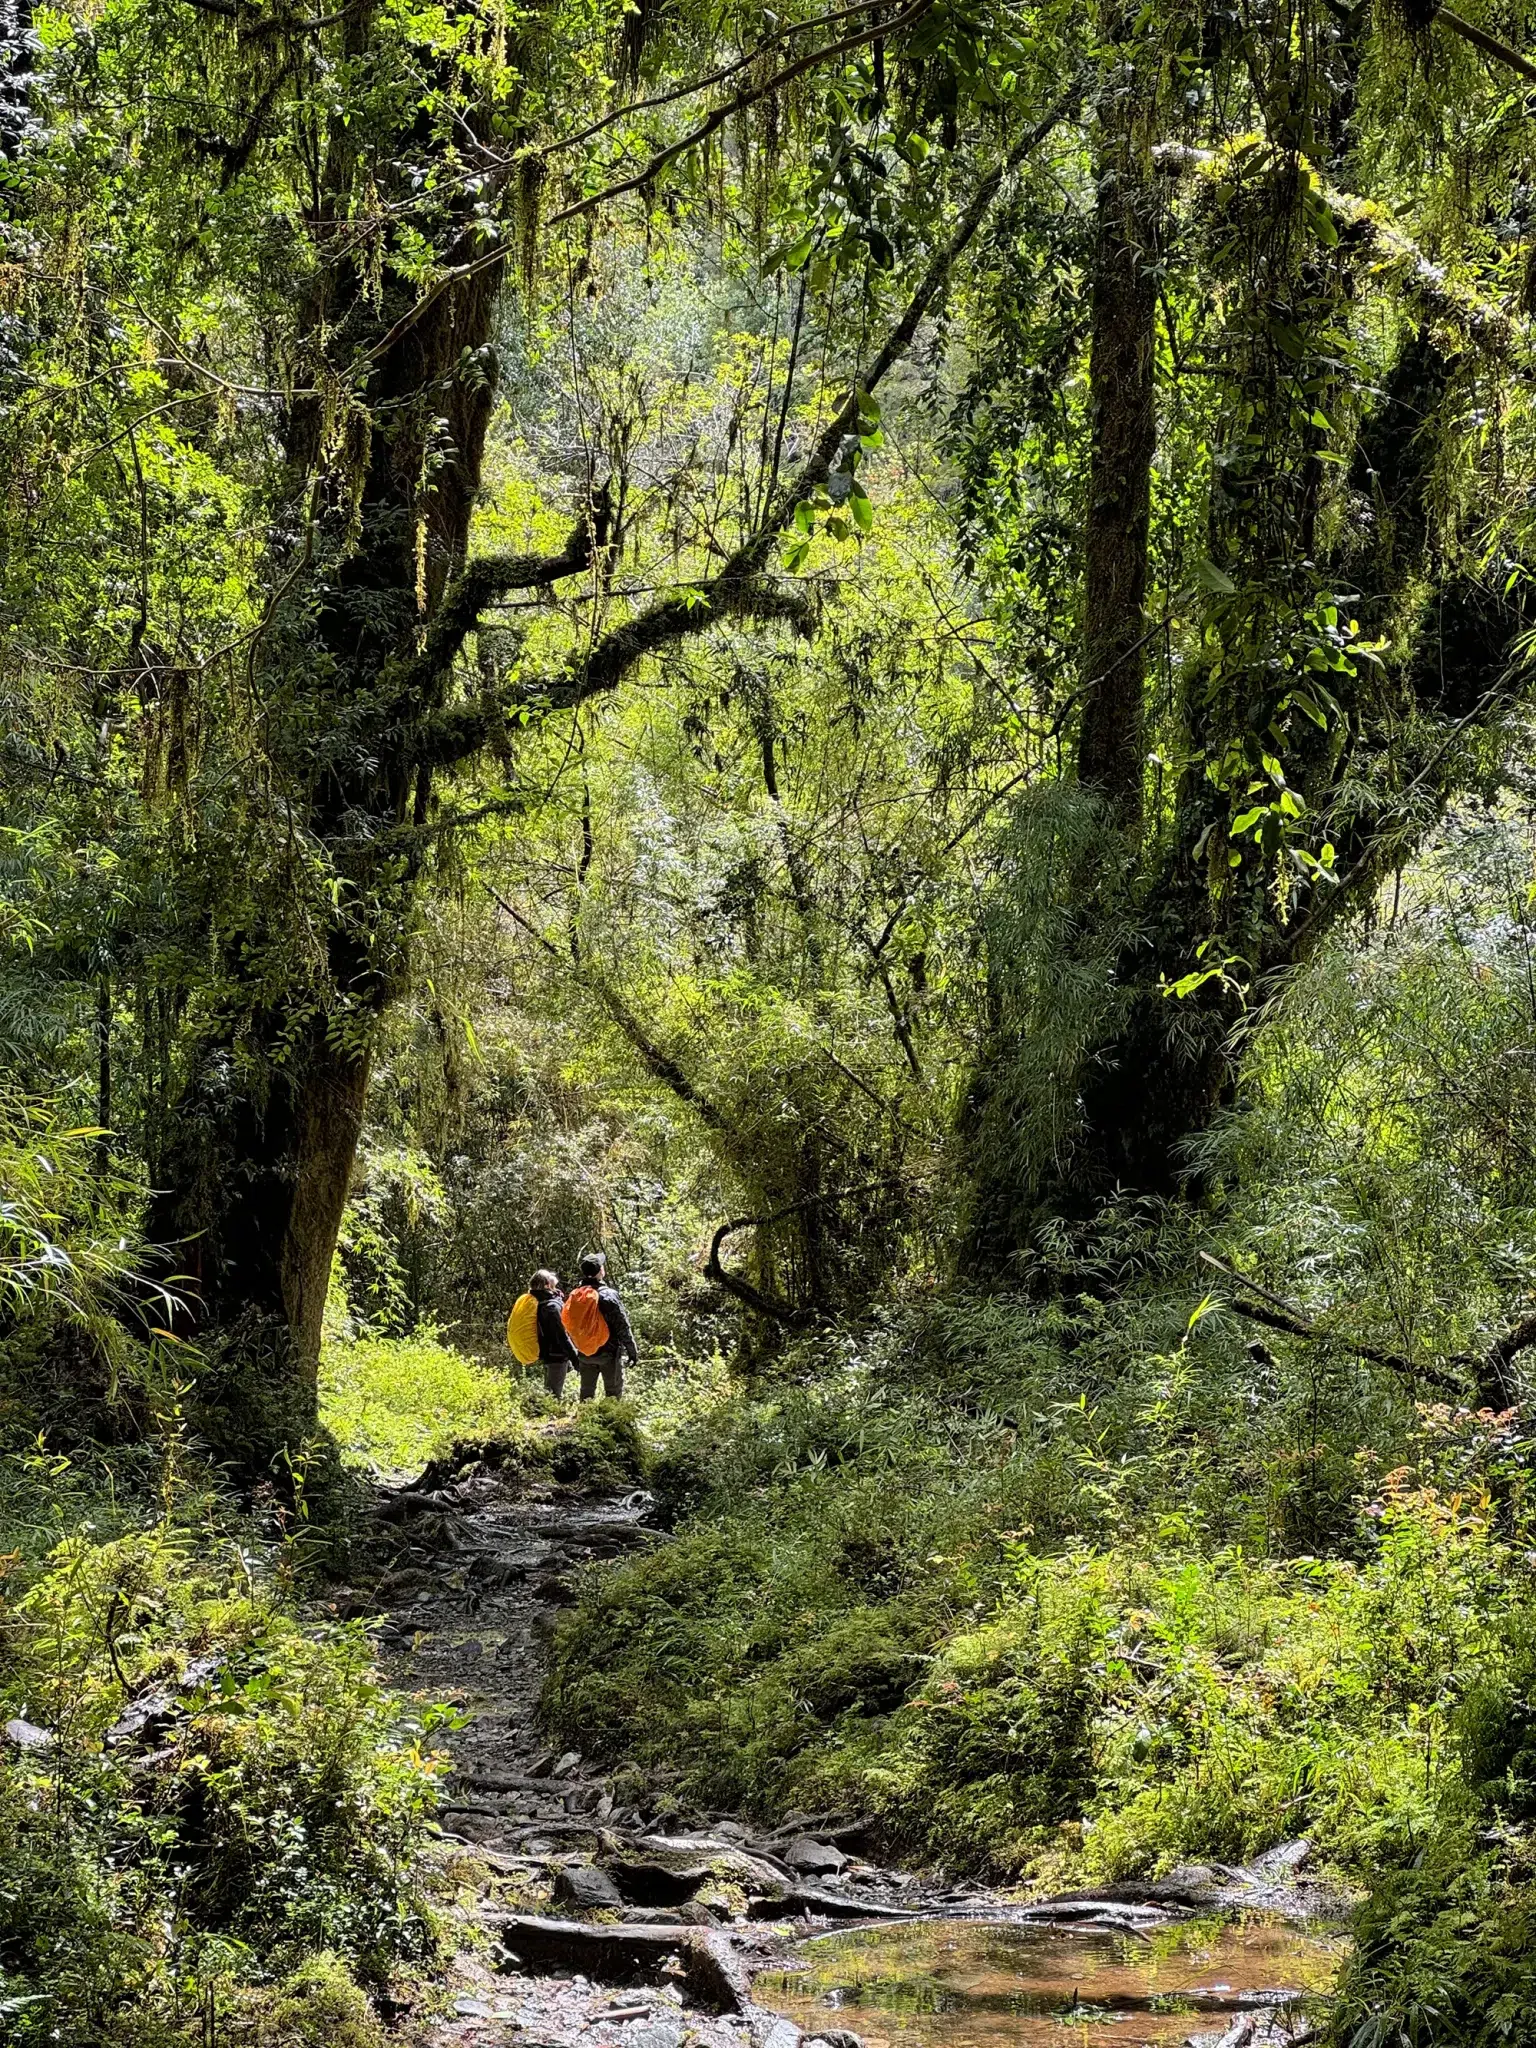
(536, 1332)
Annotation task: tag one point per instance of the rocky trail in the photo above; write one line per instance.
(609, 1915)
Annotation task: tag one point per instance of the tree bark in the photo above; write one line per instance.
(1122, 362)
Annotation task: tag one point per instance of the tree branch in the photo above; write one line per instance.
(709, 78)
(1281, 1316)
(738, 588)
(1489, 45)
(658, 1062)
(749, 95)
(780, 1311)
(412, 679)
(1494, 1385)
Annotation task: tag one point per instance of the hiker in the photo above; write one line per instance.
(594, 1317)
(537, 1334)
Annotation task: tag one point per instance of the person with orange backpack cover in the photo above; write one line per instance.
(536, 1332)
(597, 1325)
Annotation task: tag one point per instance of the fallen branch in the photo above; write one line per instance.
(1280, 1315)
(781, 1311)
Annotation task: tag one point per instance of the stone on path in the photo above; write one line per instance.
(812, 1858)
(586, 1887)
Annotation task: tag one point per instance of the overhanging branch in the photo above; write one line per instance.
(784, 1312)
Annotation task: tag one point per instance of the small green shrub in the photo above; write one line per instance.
(319, 2006)
(602, 1448)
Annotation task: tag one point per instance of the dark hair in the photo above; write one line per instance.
(593, 1266)
(544, 1282)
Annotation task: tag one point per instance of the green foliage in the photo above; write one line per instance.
(1379, 1156)
(217, 1795)
(393, 1403)
(863, 1629)
(1443, 1953)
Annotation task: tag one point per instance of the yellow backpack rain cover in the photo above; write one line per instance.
(523, 1329)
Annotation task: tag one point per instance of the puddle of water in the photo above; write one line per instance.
(985, 1984)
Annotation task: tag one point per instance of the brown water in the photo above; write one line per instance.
(984, 1984)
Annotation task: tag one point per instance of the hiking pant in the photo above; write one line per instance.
(607, 1364)
(555, 1370)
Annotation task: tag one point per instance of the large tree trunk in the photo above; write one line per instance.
(1157, 1086)
(259, 1147)
(1121, 371)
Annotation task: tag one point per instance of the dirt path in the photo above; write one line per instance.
(610, 1919)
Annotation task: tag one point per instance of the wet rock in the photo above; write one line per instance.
(773, 2031)
(813, 1899)
(26, 1735)
(835, 2037)
(666, 1870)
(586, 1887)
(1258, 2030)
(812, 1858)
(654, 2034)
(1092, 1912)
(709, 1969)
(564, 1766)
(556, 1589)
(1281, 1861)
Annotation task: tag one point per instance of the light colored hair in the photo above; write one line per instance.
(544, 1282)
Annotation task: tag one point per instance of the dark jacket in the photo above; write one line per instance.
(621, 1338)
(554, 1340)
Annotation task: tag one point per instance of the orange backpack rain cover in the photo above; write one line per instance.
(585, 1323)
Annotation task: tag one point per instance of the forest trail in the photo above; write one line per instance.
(483, 1562)
(691, 1904)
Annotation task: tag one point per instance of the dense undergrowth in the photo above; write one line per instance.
(1103, 1637)
(212, 1810)
(1087, 1578)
